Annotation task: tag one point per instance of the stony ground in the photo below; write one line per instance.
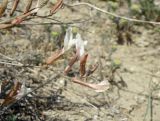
(133, 94)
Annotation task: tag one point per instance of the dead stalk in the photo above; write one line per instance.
(55, 56)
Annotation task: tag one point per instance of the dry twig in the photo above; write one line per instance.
(113, 14)
(57, 6)
(15, 4)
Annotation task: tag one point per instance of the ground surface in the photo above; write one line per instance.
(130, 96)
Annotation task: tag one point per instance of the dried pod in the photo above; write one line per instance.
(83, 61)
(101, 87)
(72, 61)
(55, 56)
(15, 4)
(28, 6)
(75, 80)
(3, 7)
(57, 6)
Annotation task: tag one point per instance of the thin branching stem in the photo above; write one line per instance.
(113, 14)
